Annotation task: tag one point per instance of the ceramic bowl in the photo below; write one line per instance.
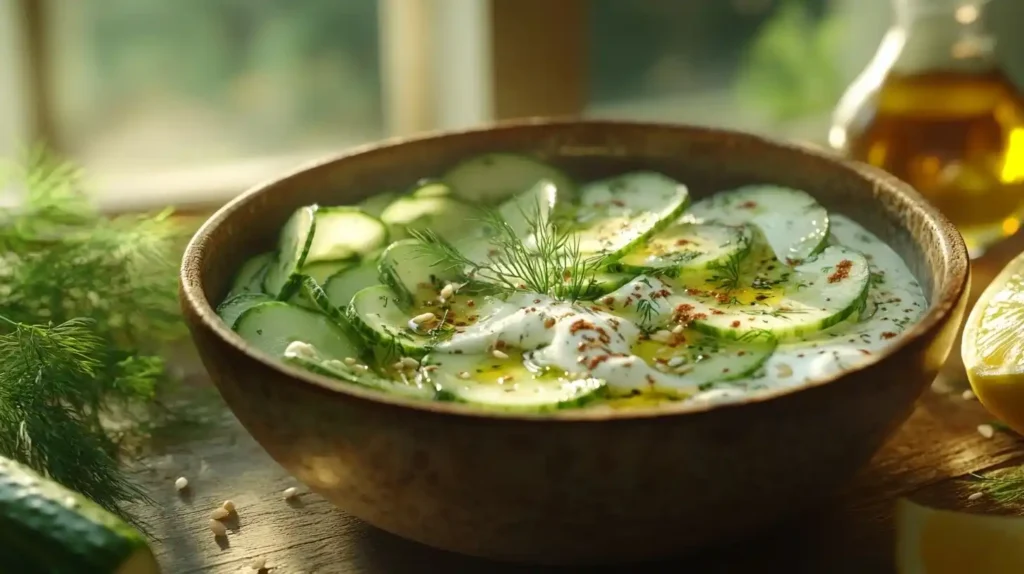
(578, 486)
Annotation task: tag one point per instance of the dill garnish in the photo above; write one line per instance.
(84, 302)
(647, 309)
(1005, 487)
(544, 260)
(726, 274)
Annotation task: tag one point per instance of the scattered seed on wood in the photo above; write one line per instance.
(290, 493)
(968, 395)
(986, 431)
(218, 528)
(258, 563)
(220, 513)
(228, 505)
(976, 496)
(181, 483)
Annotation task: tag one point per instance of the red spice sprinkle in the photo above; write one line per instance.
(536, 301)
(888, 335)
(842, 271)
(681, 242)
(629, 301)
(618, 203)
(499, 344)
(722, 297)
(473, 317)
(865, 352)
(717, 312)
(790, 261)
(748, 204)
(735, 324)
(461, 323)
(566, 276)
(650, 380)
(581, 347)
(493, 252)
(596, 361)
(609, 300)
(662, 293)
(471, 303)
(694, 292)
(521, 286)
(580, 325)
(549, 323)
(595, 308)
(725, 370)
(741, 353)
(637, 287)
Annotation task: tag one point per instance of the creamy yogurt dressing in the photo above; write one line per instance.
(601, 339)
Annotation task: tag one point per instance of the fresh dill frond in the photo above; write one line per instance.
(85, 303)
(647, 309)
(1005, 487)
(726, 274)
(545, 259)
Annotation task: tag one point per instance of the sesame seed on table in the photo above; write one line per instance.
(929, 459)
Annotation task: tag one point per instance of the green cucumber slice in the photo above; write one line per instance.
(701, 361)
(309, 358)
(490, 178)
(809, 298)
(604, 283)
(271, 327)
(686, 247)
(341, 286)
(794, 223)
(377, 314)
(377, 203)
(345, 233)
(447, 217)
(47, 528)
(410, 271)
(619, 213)
(292, 249)
(431, 188)
(310, 295)
(233, 307)
(321, 271)
(249, 278)
(505, 384)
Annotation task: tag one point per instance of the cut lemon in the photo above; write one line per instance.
(993, 345)
(930, 541)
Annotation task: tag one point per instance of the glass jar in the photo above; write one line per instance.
(935, 108)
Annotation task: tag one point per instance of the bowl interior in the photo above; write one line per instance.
(706, 160)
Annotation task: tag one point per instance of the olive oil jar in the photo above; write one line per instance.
(935, 108)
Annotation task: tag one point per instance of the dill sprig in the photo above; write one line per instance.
(726, 274)
(84, 302)
(544, 259)
(1005, 487)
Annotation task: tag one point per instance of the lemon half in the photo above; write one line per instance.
(993, 345)
(931, 541)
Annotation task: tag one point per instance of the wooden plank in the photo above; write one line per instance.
(539, 57)
(939, 443)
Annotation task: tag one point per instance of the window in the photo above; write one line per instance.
(191, 101)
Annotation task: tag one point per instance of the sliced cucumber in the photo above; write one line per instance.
(794, 224)
(311, 296)
(604, 283)
(271, 327)
(345, 233)
(505, 384)
(292, 249)
(309, 358)
(806, 299)
(445, 216)
(531, 209)
(412, 273)
(686, 247)
(619, 213)
(377, 314)
(341, 286)
(249, 278)
(233, 307)
(491, 178)
(321, 271)
(377, 203)
(431, 188)
(701, 361)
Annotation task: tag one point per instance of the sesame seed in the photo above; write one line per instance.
(218, 528)
(678, 329)
(398, 366)
(986, 431)
(976, 496)
(499, 354)
(448, 291)
(290, 493)
(181, 483)
(228, 505)
(427, 317)
(968, 395)
(219, 513)
(258, 563)
(410, 363)
(661, 336)
(361, 367)
(350, 361)
(676, 361)
(464, 374)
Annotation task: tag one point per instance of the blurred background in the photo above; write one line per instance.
(187, 102)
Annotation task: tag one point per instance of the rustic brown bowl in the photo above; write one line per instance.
(577, 486)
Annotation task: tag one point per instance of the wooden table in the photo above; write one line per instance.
(929, 460)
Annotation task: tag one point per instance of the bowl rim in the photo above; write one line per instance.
(951, 247)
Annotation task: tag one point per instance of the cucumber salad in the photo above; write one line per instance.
(507, 285)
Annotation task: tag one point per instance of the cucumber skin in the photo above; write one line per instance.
(676, 271)
(41, 534)
(375, 337)
(288, 281)
(567, 189)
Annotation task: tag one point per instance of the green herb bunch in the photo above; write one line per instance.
(84, 300)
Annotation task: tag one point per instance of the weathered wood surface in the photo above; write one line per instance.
(939, 444)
